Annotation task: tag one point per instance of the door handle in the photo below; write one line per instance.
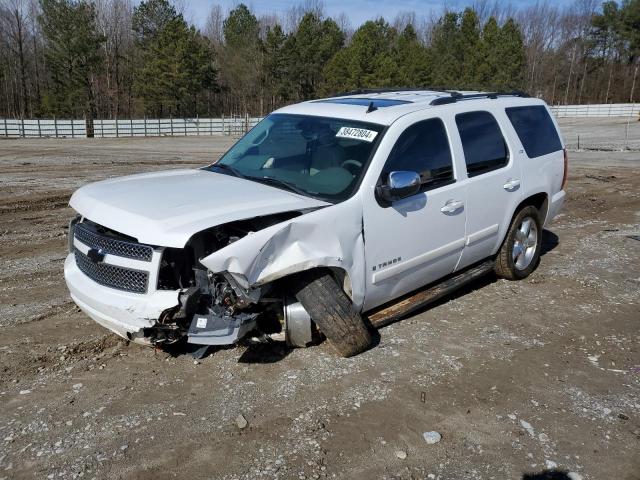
(452, 206)
(512, 184)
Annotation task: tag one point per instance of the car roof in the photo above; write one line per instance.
(386, 106)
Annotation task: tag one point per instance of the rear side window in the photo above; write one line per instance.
(423, 148)
(482, 141)
(535, 129)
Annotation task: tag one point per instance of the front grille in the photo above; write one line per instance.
(120, 278)
(112, 246)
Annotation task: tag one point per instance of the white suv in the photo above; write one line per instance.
(330, 214)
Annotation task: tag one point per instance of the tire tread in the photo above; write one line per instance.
(504, 266)
(332, 310)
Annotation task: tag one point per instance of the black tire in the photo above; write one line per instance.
(332, 311)
(505, 264)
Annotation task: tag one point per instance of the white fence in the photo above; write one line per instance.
(146, 127)
(159, 127)
(597, 110)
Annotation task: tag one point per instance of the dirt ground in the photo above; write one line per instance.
(519, 378)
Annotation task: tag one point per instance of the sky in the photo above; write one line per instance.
(358, 11)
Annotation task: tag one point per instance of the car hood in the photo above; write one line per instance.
(167, 208)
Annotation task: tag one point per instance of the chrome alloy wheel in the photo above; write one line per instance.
(525, 243)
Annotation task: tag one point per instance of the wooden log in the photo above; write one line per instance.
(390, 313)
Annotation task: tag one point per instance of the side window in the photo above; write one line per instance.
(482, 141)
(423, 148)
(535, 129)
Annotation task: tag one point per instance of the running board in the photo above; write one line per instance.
(414, 301)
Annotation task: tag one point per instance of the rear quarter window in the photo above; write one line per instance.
(535, 129)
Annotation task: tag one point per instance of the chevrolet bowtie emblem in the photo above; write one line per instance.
(96, 255)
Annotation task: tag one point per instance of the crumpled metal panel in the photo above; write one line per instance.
(329, 237)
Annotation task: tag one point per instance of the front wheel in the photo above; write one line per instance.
(520, 252)
(332, 311)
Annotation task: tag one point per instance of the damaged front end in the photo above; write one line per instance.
(161, 295)
(214, 309)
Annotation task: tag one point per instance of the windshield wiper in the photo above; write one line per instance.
(282, 183)
(227, 168)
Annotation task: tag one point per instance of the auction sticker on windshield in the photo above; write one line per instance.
(357, 134)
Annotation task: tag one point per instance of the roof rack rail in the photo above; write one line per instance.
(455, 96)
(364, 91)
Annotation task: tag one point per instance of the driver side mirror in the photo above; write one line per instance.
(399, 185)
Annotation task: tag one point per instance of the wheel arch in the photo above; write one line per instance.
(340, 274)
(539, 200)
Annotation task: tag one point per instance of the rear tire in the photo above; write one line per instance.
(520, 251)
(332, 311)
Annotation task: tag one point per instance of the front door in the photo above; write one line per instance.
(416, 240)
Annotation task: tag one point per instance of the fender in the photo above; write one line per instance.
(329, 237)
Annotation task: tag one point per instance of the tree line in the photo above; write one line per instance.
(110, 59)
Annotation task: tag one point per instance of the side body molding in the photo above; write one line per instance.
(328, 237)
(426, 257)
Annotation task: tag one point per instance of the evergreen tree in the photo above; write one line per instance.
(511, 57)
(368, 61)
(196, 71)
(337, 74)
(274, 67)
(412, 60)
(630, 29)
(470, 49)
(606, 30)
(314, 43)
(615, 34)
(241, 28)
(240, 59)
(72, 52)
(445, 52)
(489, 55)
(150, 19)
(176, 61)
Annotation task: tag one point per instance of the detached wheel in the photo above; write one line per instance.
(332, 311)
(520, 252)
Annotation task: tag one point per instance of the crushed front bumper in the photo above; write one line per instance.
(121, 312)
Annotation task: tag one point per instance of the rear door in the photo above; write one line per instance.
(493, 184)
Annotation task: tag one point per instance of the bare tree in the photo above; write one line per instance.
(266, 22)
(425, 27)
(343, 21)
(295, 13)
(114, 22)
(539, 28)
(404, 19)
(14, 21)
(213, 25)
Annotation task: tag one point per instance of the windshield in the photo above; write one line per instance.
(315, 156)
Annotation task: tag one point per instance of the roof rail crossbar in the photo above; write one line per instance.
(470, 96)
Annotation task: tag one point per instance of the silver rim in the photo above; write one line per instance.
(525, 243)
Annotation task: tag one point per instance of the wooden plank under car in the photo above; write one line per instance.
(388, 314)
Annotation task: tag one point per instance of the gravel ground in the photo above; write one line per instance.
(518, 378)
